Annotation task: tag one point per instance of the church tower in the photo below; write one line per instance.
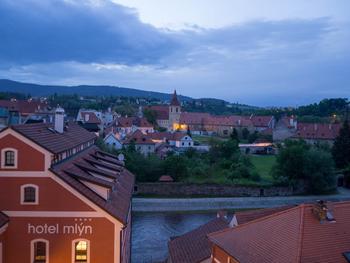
(174, 112)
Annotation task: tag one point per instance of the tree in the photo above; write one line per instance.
(151, 116)
(189, 131)
(253, 136)
(234, 135)
(341, 147)
(222, 149)
(176, 166)
(299, 163)
(289, 168)
(245, 133)
(319, 171)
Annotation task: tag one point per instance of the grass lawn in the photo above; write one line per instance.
(263, 165)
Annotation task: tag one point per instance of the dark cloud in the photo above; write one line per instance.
(261, 62)
(47, 31)
(51, 31)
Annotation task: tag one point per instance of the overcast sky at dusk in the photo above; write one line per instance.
(271, 52)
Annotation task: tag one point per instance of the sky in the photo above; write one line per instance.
(264, 53)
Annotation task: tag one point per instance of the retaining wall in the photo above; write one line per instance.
(183, 189)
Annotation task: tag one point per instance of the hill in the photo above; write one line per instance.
(37, 90)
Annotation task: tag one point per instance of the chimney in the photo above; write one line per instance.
(322, 212)
(59, 120)
(221, 214)
(315, 126)
(233, 221)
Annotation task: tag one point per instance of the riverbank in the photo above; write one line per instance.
(209, 204)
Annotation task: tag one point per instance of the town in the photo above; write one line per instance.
(158, 131)
(84, 158)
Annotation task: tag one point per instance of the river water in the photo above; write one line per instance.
(151, 232)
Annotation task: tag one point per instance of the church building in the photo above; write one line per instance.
(168, 116)
(62, 200)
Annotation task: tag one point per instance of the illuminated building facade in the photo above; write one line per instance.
(62, 200)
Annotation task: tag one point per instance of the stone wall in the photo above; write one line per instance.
(183, 189)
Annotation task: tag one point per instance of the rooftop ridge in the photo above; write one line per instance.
(301, 233)
(256, 220)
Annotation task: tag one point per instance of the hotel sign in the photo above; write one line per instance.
(77, 228)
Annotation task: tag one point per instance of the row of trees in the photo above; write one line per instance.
(297, 163)
(223, 163)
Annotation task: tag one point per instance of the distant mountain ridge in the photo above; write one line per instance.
(38, 90)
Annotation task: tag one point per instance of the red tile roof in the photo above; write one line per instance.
(194, 118)
(166, 178)
(139, 138)
(201, 118)
(161, 110)
(293, 235)
(194, 245)
(3, 219)
(78, 168)
(92, 117)
(174, 101)
(170, 136)
(231, 120)
(130, 121)
(25, 107)
(317, 131)
(261, 121)
(45, 135)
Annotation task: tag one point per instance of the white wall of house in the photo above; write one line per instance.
(145, 149)
(163, 123)
(112, 141)
(185, 142)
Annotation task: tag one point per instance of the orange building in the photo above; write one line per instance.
(306, 233)
(62, 200)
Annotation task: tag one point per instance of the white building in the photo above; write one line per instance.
(112, 141)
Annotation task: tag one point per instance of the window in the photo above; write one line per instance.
(81, 251)
(40, 251)
(9, 158)
(29, 194)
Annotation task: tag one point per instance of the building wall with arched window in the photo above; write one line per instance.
(39, 250)
(22, 150)
(60, 233)
(58, 212)
(29, 194)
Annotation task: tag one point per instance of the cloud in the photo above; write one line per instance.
(100, 31)
(285, 62)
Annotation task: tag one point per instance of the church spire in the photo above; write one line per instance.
(174, 100)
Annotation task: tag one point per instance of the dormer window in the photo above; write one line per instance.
(9, 158)
(29, 194)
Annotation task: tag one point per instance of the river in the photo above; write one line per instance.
(151, 232)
